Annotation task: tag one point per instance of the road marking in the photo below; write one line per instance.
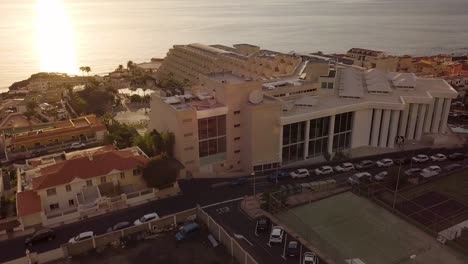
(223, 210)
(223, 202)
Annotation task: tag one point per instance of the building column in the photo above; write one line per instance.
(403, 121)
(429, 113)
(280, 151)
(412, 121)
(393, 128)
(420, 123)
(445, 112)
(437, 115)
(376, 127)
(384, 128)
(331, 131)
(306, 146)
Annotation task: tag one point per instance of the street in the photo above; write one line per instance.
(196, 191)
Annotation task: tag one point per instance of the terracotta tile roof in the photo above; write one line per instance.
(85, 167)
(28, 202)
(63, 128)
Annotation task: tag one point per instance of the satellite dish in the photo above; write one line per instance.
(256, 97)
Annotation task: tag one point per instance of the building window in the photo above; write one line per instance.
(330, 85)
(236, 138)
(103, 179)
(237, 112)
(212, 135)
(68, 188)
(237, 151)
(323, 85)
(237, 125)
(318, 136)
(293, 142)
(71, 202)
(342, 132)
(54, 206)
(89, 183)
(136, 172)
(51, 192)
(122, 175)
(188, 135)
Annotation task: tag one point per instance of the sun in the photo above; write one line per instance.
(55, 38)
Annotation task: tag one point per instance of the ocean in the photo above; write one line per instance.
(61, 35)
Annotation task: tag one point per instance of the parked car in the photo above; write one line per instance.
(458, 104)
(263, 224)
(412, 172)
(238, 182)
(187, 232)
(77, 145)
(278, 175)
(359, 178)
(310, 258)
(146, 218)
(452, 167)
(402, 161)
(293, 249)
(430, 171)
(324, 170)
(344, 167)
(365, 164)
(438, 157)
(381, 176)
(276, 235)
(39, 236)
(118, 226)
(383, 163)
(420, 158)
(456, 156)
(299, 173)
(81, 237)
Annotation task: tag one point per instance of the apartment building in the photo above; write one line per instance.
(185, 63)
(230, 123)
(67, 186)
(85, 129)
(373, 59)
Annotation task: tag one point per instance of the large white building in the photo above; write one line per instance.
(230, 122)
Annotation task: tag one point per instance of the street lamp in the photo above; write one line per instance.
(253, 175)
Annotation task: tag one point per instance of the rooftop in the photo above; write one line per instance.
(226, 77)
(28, 202)
(80, 164)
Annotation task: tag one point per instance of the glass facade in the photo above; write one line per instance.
(318, 136)
(293, 142)
(212, 135)
(342, 132)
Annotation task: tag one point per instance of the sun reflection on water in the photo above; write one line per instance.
(55, 38)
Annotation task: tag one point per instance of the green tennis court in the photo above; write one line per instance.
(348, 226)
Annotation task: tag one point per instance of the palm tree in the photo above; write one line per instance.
(120, 68)
(130, 65)
(82, 70)
(87, 69)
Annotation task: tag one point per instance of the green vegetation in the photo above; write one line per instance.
(52, 76)
(121, 135)
(138, 99)
(273, 199)
(93, 99)
(86, 69)
(160, 172)
(156, 144)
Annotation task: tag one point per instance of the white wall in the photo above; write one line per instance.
(361, 128)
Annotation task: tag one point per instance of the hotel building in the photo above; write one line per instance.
(230, 122)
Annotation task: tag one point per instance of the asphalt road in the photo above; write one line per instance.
(202, 191)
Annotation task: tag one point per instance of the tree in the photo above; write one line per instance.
(146, 143)
(168, 142)
(82, 69)
(160, 172)
(135, 98)
(120, 68)
(31, 105)
(130, 65)
(87, 69)
(122, 135)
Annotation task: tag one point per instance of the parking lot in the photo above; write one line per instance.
(162, 249)
(239, 225)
